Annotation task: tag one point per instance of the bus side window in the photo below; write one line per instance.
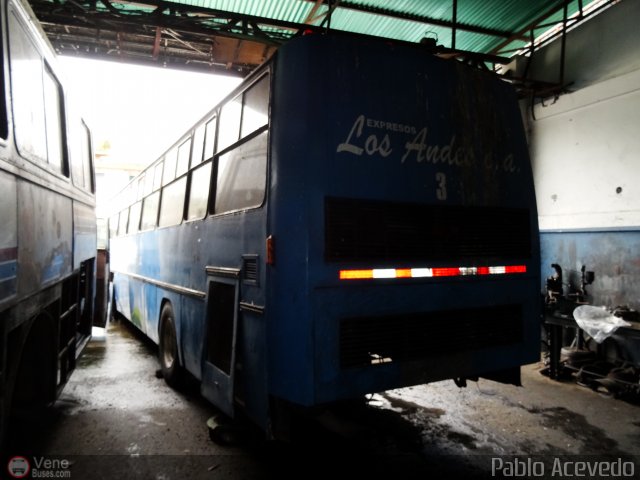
(229, 131)
(124, 220)
(148, 181)
(80, 154)
(113, 225)
(242, 175)
(4, 121)
(150, 211)
(134, 217)
(198, 146)
(157, 176)
(86, 154)
(199, 192)
(210, 138)
(27, 92)
(75, 157)
(169, 166)
(172, 205)
(255, 107)
(184, 151)
(54, 114)
(140, 187)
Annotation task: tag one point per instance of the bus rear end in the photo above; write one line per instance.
(404, 222)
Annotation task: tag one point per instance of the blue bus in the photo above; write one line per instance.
(48, 221)
(357, 216)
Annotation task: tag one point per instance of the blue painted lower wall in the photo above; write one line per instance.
(614, 256)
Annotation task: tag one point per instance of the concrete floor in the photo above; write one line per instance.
(116, 419)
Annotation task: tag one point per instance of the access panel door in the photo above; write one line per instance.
(220, 342)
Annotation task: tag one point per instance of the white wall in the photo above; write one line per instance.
(585, 147)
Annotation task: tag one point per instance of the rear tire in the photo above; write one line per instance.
(172, 371)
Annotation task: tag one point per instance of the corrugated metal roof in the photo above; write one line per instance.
(233, 36)
(409, 20)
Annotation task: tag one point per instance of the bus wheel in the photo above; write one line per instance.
(168, 351)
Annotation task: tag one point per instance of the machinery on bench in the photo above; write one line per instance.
(596, 362)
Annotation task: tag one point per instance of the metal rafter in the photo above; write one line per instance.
(387, 12)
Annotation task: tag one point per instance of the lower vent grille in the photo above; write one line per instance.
(371, 340)
(368, 230)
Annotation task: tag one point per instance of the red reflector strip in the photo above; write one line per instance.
(377, 273)
(446, 272)
(516, 269)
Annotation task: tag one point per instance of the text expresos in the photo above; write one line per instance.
(455, 153)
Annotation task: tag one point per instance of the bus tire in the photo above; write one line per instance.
(168, 349)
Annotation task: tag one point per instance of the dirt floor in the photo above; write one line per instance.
(117, 419)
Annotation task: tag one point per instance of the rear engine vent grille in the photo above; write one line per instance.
(250, 269)
(366, 341)
(367, 230)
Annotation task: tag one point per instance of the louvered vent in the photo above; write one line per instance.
(250, 272)
(365, 230)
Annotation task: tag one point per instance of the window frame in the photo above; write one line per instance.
(181, 178)
(155, 224)
(190, 190)
(213, 190)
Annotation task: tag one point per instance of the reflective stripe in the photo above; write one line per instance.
(378, 273)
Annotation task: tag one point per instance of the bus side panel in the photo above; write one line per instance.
(190, 333)
(252, 347)
(44, 236)
(228, 241)
(84, 233)
(288, 331)
(8, 237)
(121, 294)
(167, 255)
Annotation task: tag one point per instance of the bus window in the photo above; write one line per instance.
(229, 130)
(169, 166)
(157, 176)
(140, 187)
(87, 158)
(210, 139)
(150, 211)
(242, 176)
(28, 92)
(148, 182)
(53, 120)
(198, 146)
(113, 225)
(122, 224)
(4, 122)
(199, 192)
(184, 151)
(134, 217)
(76, 153)
(255, 108)
(172, 203)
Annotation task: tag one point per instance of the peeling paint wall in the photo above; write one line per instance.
(585, 150)
(614, 257)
